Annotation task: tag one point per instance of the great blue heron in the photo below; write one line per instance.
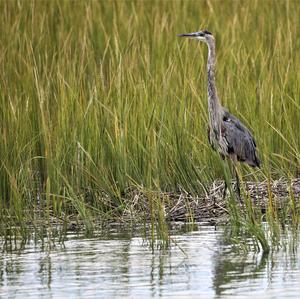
(226, 133)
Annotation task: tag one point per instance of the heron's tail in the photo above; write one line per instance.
(257, 162)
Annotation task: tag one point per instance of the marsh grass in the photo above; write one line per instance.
(103, 96)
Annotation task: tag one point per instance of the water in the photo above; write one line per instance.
(121, 265)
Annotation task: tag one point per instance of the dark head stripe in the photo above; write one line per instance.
(207, 32)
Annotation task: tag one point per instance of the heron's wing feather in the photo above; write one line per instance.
(239, 140)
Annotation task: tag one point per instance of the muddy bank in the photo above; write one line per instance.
(211, 206)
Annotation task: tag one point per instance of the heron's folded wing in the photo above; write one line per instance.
(239, 140)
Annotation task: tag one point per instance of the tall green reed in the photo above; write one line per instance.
(101, 96)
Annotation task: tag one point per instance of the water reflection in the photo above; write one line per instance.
(229, 268)
(119, 265)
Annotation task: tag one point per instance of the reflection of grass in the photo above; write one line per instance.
(103, 96)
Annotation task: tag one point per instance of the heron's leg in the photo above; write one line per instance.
(238, 190)
(225, 184)
(225, 189)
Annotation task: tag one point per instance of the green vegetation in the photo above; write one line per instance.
(100, 97)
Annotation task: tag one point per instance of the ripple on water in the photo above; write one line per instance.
(125, 267)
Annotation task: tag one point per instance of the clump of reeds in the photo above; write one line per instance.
(101, 96)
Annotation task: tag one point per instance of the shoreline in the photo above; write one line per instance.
(212, 207)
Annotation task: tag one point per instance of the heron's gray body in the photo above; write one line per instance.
(234, 140)
(226, 133)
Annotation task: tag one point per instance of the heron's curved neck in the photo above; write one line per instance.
(213, 100)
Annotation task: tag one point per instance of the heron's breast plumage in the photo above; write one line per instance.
(235, 140)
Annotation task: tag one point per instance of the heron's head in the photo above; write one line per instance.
(203, 35)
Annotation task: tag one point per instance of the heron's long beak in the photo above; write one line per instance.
(193, 34)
